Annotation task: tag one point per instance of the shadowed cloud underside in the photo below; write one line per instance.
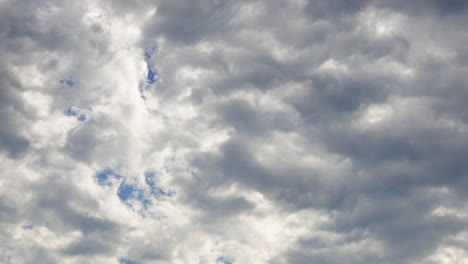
(206, 131)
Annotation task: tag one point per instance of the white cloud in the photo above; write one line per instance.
(271, 132)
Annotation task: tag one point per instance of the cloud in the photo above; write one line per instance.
(87, 247)
(233, 131)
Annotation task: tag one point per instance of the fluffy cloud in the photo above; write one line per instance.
(233, 131)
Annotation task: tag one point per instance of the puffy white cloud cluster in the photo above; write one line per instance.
(206, 131)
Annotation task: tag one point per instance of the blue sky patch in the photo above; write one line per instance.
(223, 260)
(81, 118)
(103, 177)
(127, 191)
(149, 54)
(126, 261)
(70, 83)
(150, 179)
(152, 76)
(71, 112)
(28, 227)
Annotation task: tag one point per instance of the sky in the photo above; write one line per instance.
(229, 132)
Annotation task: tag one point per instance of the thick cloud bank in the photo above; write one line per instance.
(207, 131)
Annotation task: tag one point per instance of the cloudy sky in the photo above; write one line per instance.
(226, 131)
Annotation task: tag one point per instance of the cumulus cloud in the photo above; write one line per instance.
(233, 131)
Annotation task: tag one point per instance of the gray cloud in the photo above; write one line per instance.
(190, 21)
(87, 247)
(285, 131)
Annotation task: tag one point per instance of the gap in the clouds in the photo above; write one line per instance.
(81, 118)
(73, 111)
(129, 192)
(126, 261)
(125, 191)
(29, 227)
(105, 176)
(67, 82)
(149, 53)
(151, 73)
(224, 260)
(150, 179)
(151, 76)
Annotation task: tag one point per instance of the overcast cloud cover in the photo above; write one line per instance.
(222, 131)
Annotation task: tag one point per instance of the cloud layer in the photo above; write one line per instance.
(206, 131)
